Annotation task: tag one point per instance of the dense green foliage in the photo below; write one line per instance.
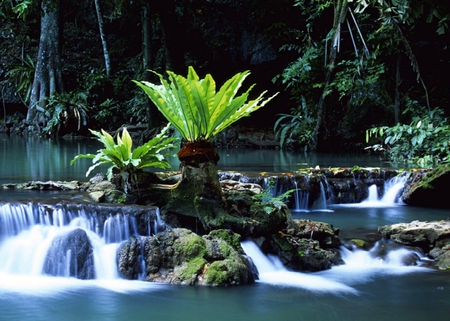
(424, 142)
(195, 109)
(352, 74)
(341, 67)
(126, 161)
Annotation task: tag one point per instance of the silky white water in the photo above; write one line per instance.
(360, 266)
(390, 197)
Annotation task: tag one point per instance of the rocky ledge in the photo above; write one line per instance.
(433, 238)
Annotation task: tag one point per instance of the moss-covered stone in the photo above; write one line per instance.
(179, 256)
(428, 188)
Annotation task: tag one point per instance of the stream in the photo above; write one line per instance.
(365, 288)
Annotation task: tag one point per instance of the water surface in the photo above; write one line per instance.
(377, 292)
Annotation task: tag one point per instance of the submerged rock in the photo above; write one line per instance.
(179, 256)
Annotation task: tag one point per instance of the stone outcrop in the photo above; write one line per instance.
(428, 188)
(432, 237)
(305, 245)
(179, 256)
(245, 209)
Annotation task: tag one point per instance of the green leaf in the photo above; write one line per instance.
(121, 156)
(194, 107)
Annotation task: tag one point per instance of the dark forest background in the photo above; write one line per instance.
(341, 67)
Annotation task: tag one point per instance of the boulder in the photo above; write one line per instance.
(428, 188)
(432, 237)
(179, 256)
(305, 245)
(71, 255)
(245, 210)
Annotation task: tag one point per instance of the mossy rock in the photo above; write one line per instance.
(180, 256)
(429, 189)
(303, 254)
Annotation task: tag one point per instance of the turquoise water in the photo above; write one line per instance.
(33, 158)
(378, 292)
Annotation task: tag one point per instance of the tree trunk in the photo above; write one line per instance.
(340, 12)
(103, 38)
(174, 36)
(153, 115)
(146, 39)
(398, 81)
(199, 195)
(47, 78)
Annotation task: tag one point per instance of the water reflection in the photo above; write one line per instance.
(34, 158)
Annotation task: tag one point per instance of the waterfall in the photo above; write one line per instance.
(65, 240)
(362, 266)
(159, 223)
(301, 199)
(271, 271)
(320, 204)
(392, 188)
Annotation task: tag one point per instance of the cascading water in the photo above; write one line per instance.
(271, 270)
(359, 267)
(301, 199)
(392, 188)
(159, 223)
(320, 204)
(63, 241)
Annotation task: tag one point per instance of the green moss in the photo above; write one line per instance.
(228, 236)
(218, 273)
(358, 242)
(187, 273)
(430, 177)
(192, 246)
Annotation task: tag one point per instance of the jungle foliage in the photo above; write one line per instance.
(350, 67)
(425, 141)
(341, 67)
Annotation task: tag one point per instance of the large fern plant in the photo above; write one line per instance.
(125, 160)
(194, 107)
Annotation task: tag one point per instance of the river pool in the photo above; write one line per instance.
(363, 289)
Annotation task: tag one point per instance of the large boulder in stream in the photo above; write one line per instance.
(179, 256)
(428, 188)
(246, 210)
(433, 238)
(71, 255)
(305, 245)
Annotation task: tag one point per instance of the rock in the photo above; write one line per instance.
(324, 233)
(102, 186)
(422, 234)
(71, 255)
(97, 196)
(179, 256)
(305, 245)
(250, 188)
(432, 237)
(358, 243)
(301, 254)
(244, 211)
(428, 189)
(441, 257)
